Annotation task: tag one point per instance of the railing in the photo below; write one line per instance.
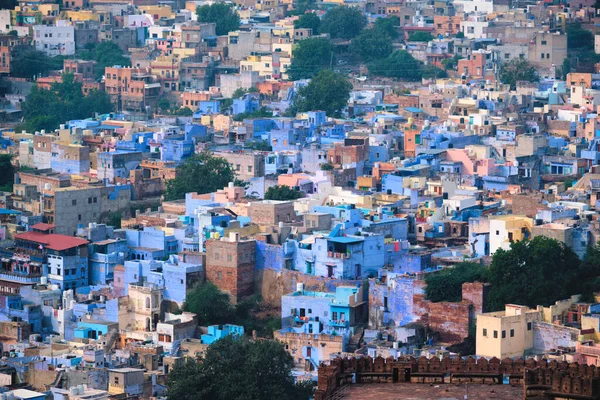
(333, 254)
(339, 324)
(13, 277)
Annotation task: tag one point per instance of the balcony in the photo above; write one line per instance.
(20, 278)
(339, 324)
(333, 254)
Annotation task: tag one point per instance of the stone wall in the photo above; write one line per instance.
(540, 379)
(271, 284)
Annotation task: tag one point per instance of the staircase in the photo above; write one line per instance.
(57, 381)
(340, 393)
(110, 341)
(356, 340)
(175, 348)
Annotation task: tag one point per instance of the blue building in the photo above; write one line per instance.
(216, 332)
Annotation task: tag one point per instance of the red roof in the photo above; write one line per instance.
(52, 241)
(42, 226)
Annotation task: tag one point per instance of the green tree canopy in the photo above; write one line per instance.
(210, 305)
(309, 20)
(343, 22)
(578, 37)
(262, 112)
(224, 15)
(388, 25)
(431, 71)
(446, 285)
(452, 62)
(533, 272)
(420, 36)
(106, 54)
(400, 64)
(372, 44)
(309, 57)
(517, 70)
(7, 171)
(201, 173)
(282, 192)
(238, 369)
(328, 91)
(26, 62)
(47, 109)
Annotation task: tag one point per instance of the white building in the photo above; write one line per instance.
(55, 40)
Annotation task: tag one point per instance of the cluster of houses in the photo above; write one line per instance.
(95, 264)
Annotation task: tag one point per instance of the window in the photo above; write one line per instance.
(73, 202)
(249, 168)
(544, 42)
(529, 326)
(497, 233)
(228, 257)
(334, 315)
(495, 334)
(512, 333)
(503, 334)
(116, 380)
(484, 332)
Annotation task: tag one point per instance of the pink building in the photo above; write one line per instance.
(472, 163)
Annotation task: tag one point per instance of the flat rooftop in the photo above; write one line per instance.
(415, 391)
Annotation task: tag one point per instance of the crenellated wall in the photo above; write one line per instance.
(540, 379)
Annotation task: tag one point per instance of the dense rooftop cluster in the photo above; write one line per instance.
(235, 200)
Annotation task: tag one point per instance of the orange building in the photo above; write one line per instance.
(132, 89)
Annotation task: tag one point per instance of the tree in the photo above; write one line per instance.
(578, 37)
(261, 145)
(372, 44)
(328, 91)
(517, 70)
(446, 285)
(400, 64)
(47, 109)
(309, 20)
(431, 72)
(7, 171)
(420, 36)
(460, 35)
(533, 272)
(106, 54)
(282, 192)
(451, 63)
(26, 62)
(164, 104)
(343, 22)
(210, 305)
(260, 113)
(565, 69)
(238, 369)
(388, 25)
(201, 173)
(309, 57)
(226, 18)
(326, 167)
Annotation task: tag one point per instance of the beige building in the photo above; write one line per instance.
(272, 212)
(128, 381)
(547, 49)
(245, 165)
(505, 229)
(144, 302)
(507, 333)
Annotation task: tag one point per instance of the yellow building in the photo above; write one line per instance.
(507, 333)
(505, 229)
(81, 15)
(271, 67)
(157, 11)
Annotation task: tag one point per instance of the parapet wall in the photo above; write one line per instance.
(540, 379)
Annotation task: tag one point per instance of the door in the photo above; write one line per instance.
(394, 375)
(308, 352)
